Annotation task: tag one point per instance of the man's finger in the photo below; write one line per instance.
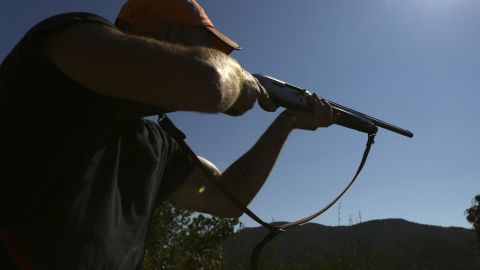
(264, 99)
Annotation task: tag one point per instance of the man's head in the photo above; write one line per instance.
(178, 21)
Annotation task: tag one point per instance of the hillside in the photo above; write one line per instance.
(378, 244)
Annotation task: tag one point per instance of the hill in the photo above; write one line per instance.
(377, 244)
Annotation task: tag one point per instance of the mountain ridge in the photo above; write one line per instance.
(402, 243)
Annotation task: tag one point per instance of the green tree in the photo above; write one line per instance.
(181, 239)
(473, 216)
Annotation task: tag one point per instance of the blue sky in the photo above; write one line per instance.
(414, 63)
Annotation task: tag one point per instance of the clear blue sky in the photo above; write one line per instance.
(414, 63)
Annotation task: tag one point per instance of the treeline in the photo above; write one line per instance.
(425, 254)
(181, 239)
(361, 256)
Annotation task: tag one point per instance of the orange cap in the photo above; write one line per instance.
(142, 17)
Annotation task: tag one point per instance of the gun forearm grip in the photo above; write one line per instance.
(292, 97)
(350, 120)
(344, 118)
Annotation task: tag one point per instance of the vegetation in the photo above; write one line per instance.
(473, 216)
(361, 256)
(181, 239)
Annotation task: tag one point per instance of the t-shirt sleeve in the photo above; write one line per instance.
(30, 48)
(30, 81)
(178, 167)
(32, 41)
(48, 117)
(29, 68)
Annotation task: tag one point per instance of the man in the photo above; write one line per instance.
(84, 169)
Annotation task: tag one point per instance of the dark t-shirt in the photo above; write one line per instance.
(81, 173)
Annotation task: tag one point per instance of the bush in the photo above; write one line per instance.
(181, 239)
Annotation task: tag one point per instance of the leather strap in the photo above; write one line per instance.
(274, 230)
(255, 255)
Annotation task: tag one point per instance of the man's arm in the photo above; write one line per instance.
(245, 177)
(169, 76)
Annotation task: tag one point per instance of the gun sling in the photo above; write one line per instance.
(274, 230)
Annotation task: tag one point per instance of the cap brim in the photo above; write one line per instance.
(228, 41)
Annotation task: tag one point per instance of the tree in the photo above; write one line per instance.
(473, 216)
(181, 239)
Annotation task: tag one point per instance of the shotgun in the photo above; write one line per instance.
(292, 97)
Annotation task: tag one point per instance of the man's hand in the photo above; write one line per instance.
(321, 116)
(251, 91)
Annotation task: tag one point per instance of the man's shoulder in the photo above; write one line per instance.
(32, 41)
(64, 20)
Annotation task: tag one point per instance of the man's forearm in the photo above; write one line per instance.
(166, 75)
(245, 177)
